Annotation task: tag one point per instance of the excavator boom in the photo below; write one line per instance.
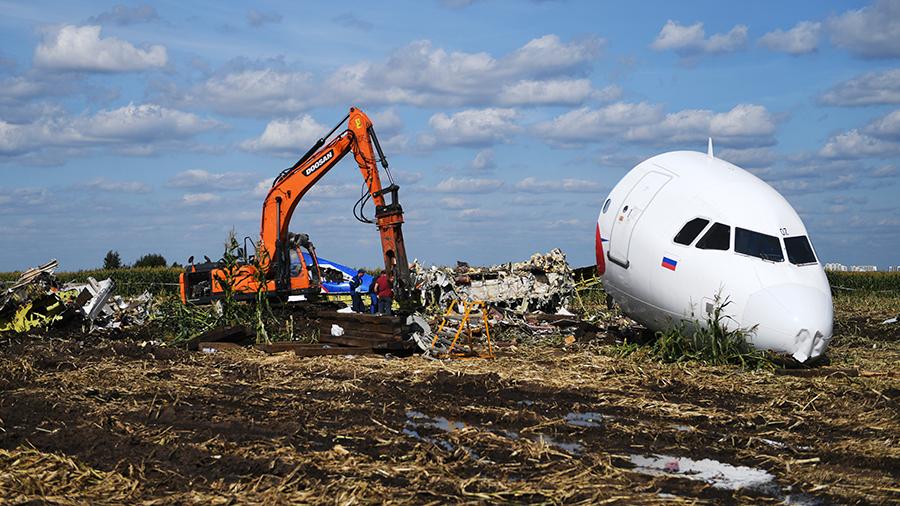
(292, 184)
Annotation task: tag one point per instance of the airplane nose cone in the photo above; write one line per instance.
(795, 319)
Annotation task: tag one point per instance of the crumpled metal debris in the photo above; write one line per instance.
(32, 301)
(543, 283)
(36, 300)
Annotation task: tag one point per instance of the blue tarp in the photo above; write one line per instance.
(331, 270)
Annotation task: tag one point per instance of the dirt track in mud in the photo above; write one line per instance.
(536, 425)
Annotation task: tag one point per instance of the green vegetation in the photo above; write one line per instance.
(713, 342)
(129, 281)
(112, 260)
(180, 322)
(151, 260)
(864, 281)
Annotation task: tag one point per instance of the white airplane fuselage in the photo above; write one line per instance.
(682, 227)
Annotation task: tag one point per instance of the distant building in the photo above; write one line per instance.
(893, 268)
(863, 268)
(836, 267)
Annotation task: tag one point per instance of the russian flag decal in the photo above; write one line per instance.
(668, 263)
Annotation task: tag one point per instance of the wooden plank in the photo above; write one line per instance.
(358, 317)
(385, 336)
(352, 341)
(361, 328)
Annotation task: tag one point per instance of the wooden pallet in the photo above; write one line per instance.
(362, 334)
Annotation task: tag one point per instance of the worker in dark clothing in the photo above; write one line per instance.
(356, 292)
(385, 293)
(373, 298)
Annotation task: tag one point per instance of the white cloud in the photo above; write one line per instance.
(744, 120)
(801, 39)
(745, 125)
(887, 127)
(255, 92)
(691, 39)
(453, 203)
(532, 184)
(199, 178)
(103, 184)
(585, 124)
(484, 160)
(608, 93)
(17, 197)
(468, 185)
(130, 127)
(878, 139)
(386, 122)
(293, 136)
(871, 88)
(870, 32)
(472, 127)
(885, 171)
(549, 92)
(729, 42)
(406, 177)
(262, 188)
(81, 48)
(479, 214)
(854, 144)
(548, 54)
(421, 74)
(198, 199)
(15, 89)
(142, 123)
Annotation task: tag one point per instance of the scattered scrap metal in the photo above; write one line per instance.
(38, 301)
(544, 283)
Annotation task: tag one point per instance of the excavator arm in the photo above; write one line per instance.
(292, 184)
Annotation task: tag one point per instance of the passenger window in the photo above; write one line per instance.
(758, 245)
(799, 250)
(690, 231)
(717, 237)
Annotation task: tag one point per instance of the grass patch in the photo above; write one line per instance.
(712, 342)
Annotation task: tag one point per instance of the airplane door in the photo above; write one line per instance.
(630, 212)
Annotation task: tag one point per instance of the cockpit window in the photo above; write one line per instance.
(606, 205)
(799, 250)
(758, 245)
(717, 237)
(690, 231)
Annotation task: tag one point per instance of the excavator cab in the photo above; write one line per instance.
(204, 283)
(304, 266)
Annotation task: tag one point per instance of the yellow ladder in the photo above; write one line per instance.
(464, 325)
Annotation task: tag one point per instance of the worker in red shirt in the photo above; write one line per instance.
(384, 292)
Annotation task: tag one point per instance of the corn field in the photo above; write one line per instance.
(865, 281)
(128, 281)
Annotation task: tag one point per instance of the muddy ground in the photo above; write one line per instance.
(103, 421)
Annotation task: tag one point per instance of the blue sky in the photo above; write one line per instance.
(157, 127)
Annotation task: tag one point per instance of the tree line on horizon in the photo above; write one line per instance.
(113, 260)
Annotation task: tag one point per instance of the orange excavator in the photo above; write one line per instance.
(286, 270)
